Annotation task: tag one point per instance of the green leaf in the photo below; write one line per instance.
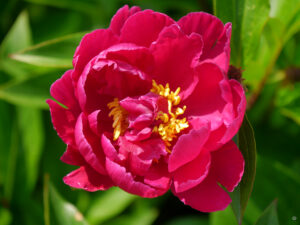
(32, 146)
(256, 14)
(269, 216)
(102, 208)
(247, 146)
(5, 216)
(18, 37)
(232, 11)
(65, 212)
(189, 220)
(57, 53)
(223, 217)
(32, 92)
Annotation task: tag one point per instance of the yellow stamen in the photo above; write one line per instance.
(171, 125)
(119, 115)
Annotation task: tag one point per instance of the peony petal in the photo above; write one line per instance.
(63, 121)
(89, 145)
(207, 196)
(121, 16)
(63, 91)
(126, 181)
(136, 135)
(228, 165)
(100, 122)
(192, 173)
(137, 56)
(187, 148)
(91, 45)
(215, 36)
(213, 96)
(158, 176)
(72, 157)
(88, 179)
(108, 149)
(143, 27)
(174, 54)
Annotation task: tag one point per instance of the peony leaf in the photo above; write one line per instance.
(247, 146)
(57, 53)
(269, 216)
(223, 217)
(232, 11)
(65, 212)
(102, 209)
(32, 146)
(256, 15)
(32, 92)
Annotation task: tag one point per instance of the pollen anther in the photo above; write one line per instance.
(171, 125)
(119, 115)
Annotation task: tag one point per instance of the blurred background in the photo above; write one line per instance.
(38, 39)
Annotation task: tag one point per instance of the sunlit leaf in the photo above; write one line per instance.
(32, 92)
(269, 216)
(223, 217)
(56, 53)
(102, 208)
(5, 216)
(65, 212)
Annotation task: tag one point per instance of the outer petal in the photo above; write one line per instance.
(143, 27)
(228, 165)
(63, 121)
(126, 181)
(73, 157)
(212, 95)
(192, 173)
(187, 148)
(216, 38)
(174, 54)
(121, 16)
(89, 146)
(63, 91)
(91, 45)
(88, 179)
(208, 196)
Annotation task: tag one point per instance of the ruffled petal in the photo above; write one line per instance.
(192, 173)
(136, 56)
(88, 179)
(89, 146)
(228, 165)
(207, 196)
(91, 45)
(125, 180)
(215, 36)
(63, 121)
(187, 148)
(213, 96)
(175, 54)
(72, 157)
(121, 16)
(143, 27)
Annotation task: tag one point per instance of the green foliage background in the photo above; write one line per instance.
(38, 39)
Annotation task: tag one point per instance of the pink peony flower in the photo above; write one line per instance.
(148, 107)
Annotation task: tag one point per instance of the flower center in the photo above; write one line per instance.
(119, 115)
(171, 125)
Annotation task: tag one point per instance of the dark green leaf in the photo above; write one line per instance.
(269, 216)
(32, 146)
(247, 146)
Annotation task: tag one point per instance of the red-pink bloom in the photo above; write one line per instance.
(149, 107)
